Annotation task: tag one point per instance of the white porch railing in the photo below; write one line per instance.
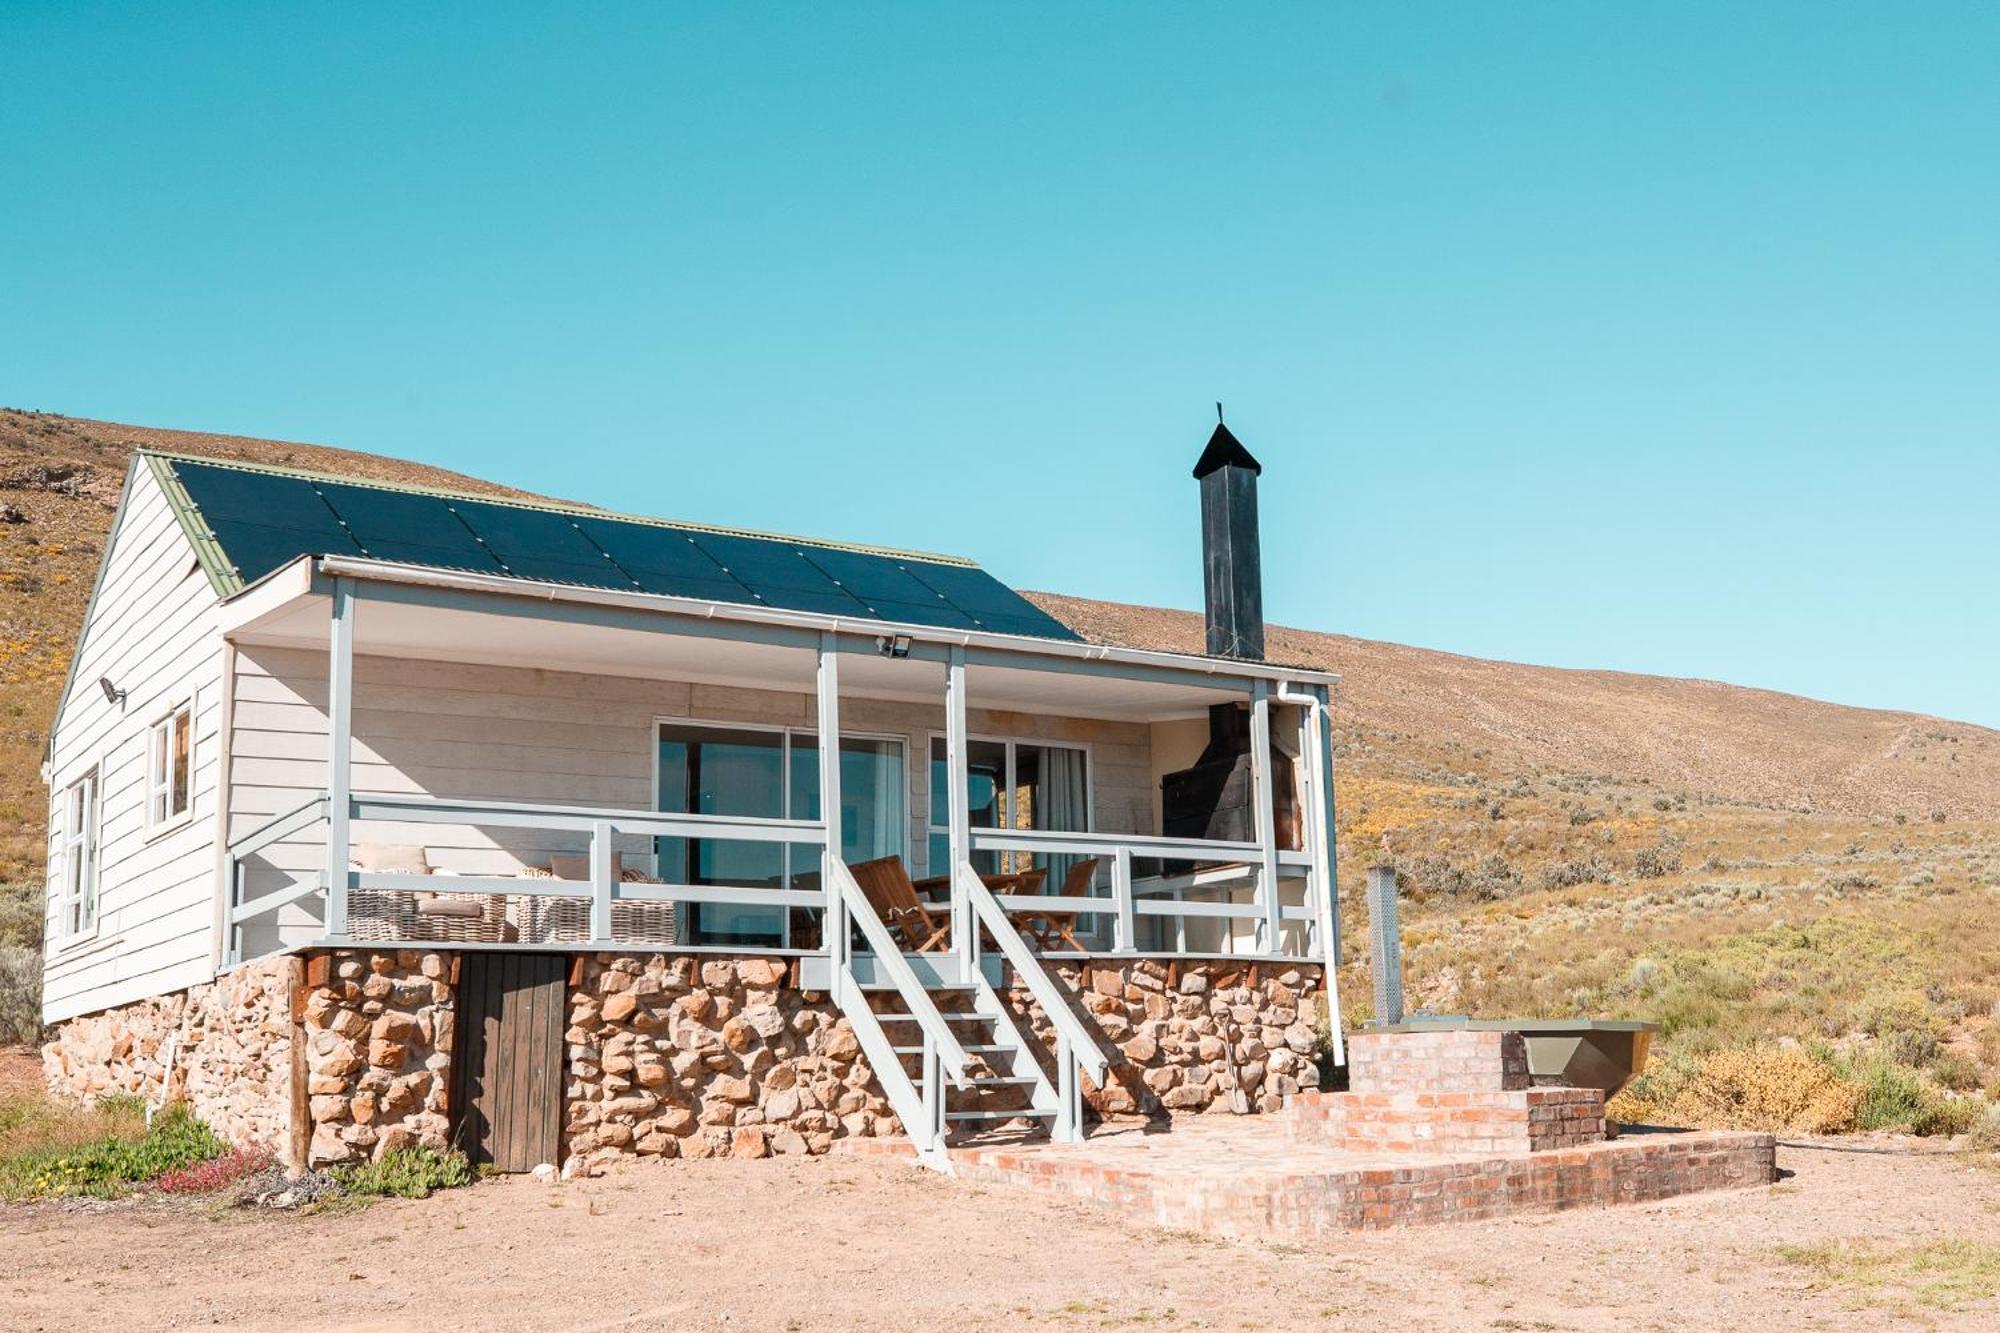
(599, 828)
(1215, 868)
(1226, 882)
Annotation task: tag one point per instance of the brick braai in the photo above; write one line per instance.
(1448, 1091)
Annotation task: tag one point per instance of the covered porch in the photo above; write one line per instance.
(583, 761)
(910, 821)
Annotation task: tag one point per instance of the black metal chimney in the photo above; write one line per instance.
(1234, 581)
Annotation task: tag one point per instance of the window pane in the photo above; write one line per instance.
(1052, 788)
(986, 765)
(177, 798)
(724, 771)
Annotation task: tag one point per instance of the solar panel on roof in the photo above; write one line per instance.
(779, 574)
(989, 601)
(265, 520)
(663, 560)
(873, 578)
(399, 525)
(538, 544)
(256, 549)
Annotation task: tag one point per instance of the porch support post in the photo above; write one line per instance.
(1267, 820)
(834, 931)
(340, 753)
(956, 756)
(1326, 858)
(1317, 725)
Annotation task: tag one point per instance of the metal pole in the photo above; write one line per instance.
(1385, 944)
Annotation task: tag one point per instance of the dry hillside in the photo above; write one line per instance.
(1408, 706)
(1755, 869)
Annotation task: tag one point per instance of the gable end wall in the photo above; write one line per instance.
(152, 629)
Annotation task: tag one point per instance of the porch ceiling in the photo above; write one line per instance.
(456, 634)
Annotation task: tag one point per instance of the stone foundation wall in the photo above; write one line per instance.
(378, 1034)
(1187, 1036)
(224, 1047)
(688, 1056)
(701, 1056)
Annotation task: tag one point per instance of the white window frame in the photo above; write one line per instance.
(79, 857)
(788, 733)
(161, 817)
(934, 829)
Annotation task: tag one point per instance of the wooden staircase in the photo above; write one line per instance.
(944, 1045)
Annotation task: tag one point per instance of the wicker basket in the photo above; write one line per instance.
(567, 920)
(398, 915)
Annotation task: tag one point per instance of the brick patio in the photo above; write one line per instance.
(1249, 1177)
(1439, 1127)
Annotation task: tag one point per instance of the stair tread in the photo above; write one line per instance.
(948, 1017)
(1006, 1081)
(1028, 1113)
(985, 1049)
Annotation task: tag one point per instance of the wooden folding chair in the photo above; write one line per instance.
(1050, 927)
(885, 882)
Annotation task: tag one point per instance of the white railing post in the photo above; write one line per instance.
(603, 874)
(1126, 938)
(340, 752)
(1266, 811)
(957, 757)
(232, 898)
(1068, 1127)
(933, 1091)
(834, 932)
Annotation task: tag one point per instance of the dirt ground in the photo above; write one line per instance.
(845, 1243)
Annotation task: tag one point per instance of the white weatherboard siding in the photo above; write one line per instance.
(508, 733)
(152, 631)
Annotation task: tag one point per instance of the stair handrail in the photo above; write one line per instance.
(1081, 1041)
(889, 957)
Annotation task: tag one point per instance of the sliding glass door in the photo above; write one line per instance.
(770, 773)
(1017, 785)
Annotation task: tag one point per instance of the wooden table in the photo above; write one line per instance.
(930, 886)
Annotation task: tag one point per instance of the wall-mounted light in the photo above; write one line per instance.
(893, 645)
(112, 694)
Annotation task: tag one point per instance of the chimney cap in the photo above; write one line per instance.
(1224, 450)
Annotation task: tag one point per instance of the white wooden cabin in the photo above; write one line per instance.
(309, 713)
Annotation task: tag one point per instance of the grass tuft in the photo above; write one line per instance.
(1945, 1275)
(407, 1173)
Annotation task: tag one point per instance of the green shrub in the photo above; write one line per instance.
(406, 1173)
(20, 994)
(1955, 1072)
(109, 1166)
(1894, 1098)
(1787, 1090)
(1655, 862)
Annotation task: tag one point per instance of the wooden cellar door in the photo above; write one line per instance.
(507, 1070)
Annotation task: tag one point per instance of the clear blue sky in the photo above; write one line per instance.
(1663, 338)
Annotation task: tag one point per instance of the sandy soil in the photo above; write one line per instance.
(853, 1244)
